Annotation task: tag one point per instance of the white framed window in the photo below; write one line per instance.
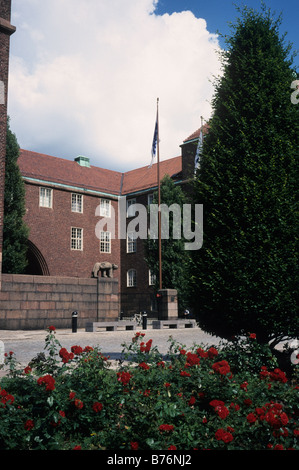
(131, 242)
(130, 212)
(105, 242)
(151, 278)
(105, 208)
(77, 238)
(77, 203)
(131, 278)
(45, 197)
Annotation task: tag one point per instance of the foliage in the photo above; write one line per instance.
(175, 260)
(246, 274)
(232, 397)
(15, 232)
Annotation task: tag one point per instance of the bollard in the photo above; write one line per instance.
(144, 321)
(74, 322)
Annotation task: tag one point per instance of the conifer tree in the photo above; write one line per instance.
(175, 258)
(15, 232)
(245, 277)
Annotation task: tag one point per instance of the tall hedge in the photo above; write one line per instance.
(245, 277)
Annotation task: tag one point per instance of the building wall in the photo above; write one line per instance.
(50, 232)
(139, 298)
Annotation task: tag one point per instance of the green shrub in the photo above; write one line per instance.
(233, 397)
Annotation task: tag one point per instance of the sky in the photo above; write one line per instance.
(85, 75)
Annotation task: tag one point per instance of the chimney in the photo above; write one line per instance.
(82, 161)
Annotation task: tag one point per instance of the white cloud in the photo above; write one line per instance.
(85, 76)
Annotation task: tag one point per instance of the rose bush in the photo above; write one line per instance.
(232, 397)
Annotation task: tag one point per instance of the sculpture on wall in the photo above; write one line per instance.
(104, 269)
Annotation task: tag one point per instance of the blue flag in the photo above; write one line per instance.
(155, 140)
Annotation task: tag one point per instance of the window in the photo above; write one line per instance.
(105, 242)
(76, 238)
(151, 278)
(130, 212)
(77, 203)
(45, 197)
(131, 278)
(131, 242)
(150, 199)
(105, 208)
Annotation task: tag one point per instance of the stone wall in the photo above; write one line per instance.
(36, 302)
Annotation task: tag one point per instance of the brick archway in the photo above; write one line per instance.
(37, 264)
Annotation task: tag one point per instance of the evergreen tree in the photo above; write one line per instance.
(175, 258)
(246, 274)
(15, 232)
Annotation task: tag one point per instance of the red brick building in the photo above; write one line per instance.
(66, 199)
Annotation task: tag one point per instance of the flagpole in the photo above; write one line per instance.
(159, 198)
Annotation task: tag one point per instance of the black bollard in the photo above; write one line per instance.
(144, 321)
(74, 322)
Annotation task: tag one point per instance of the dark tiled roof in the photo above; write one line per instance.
(61, 171)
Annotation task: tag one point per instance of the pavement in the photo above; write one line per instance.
(27, 344)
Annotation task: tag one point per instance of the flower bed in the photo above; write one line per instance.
(233, 398)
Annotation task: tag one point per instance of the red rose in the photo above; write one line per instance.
(48, 380)
(77, 350)
(147, 347)
(215, 403)
(97, 407)
(212, 352)
(6, 398)
(192, 401)
(29, 425)
(65, 355)
(222, 435)
(143, 365)
(221, 367)
(134, 445)
(185, 374)
(78, 404)
(166, 427)
(124, 377)
(202, 353)
(192, 359)
(251, 418)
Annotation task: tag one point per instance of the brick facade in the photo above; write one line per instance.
(50, 249)
(50, 232)
(6, 29)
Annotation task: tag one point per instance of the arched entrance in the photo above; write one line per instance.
(36, 262)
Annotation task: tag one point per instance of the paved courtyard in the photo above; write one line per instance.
(27, 344)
